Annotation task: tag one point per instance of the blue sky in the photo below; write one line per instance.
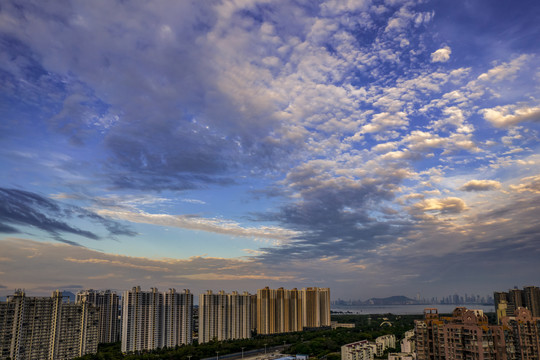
(374, 147)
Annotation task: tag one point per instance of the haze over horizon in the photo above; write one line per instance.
(377, 147)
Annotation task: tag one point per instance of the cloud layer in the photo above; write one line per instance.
(360, 139)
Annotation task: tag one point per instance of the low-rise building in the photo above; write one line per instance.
(400, 356)
(360, 350)
(407, 344)
(334, 325)
(385, 342)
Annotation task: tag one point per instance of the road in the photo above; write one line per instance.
(249, 354)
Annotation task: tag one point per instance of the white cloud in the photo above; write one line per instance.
(203, 224)
(508, 115)
(441, 55)
(505, 70)
(385, 121)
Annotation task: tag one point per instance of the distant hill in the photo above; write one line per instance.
(392, 300)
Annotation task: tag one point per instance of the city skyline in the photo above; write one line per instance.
(376, 148)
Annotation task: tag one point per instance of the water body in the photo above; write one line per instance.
(407, 309)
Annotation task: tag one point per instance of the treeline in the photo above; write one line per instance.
(316, 343)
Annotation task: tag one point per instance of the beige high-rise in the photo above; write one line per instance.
(224, 316)
(282, 311)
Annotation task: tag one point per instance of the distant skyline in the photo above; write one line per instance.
(377, 148)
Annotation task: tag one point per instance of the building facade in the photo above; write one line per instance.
(47, 328)
(281, 310)
(108, 303)
(522, 335)
(385, 342)
(407, 344)
(224, 316)
(152, 319)
(467, 335)
(506, 303)
(360, 350)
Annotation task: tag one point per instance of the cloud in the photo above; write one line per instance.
(509, 115)
(338, 110)
(62, 264)
(115, 263)
(441, 55)
(24, 208)
(480, 185)
(449, 205)
(505, 70)
(385, 121)
(528, 184)
(194, 222)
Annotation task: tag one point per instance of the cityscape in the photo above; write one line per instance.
(148, 320)
(269, 179)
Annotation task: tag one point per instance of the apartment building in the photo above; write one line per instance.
(108, 303)
(281, 310)
(468, 335)
(360, 350)
(153, 319)
(47, 327)
(224, 316)
(507, 302)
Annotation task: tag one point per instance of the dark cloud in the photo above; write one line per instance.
(340, 216)
(25, 208)
(6, 229)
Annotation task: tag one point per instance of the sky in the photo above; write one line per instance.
(379, 148)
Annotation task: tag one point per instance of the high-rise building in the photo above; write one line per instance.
(468, 335)
(281, 310)
(108, 303)
(47, 327)
(178, 322)
(224, 316)
(528, 298)
(253, 301)
(240, 315)
(531, 296)
(266, 308)
(151, 319)
(522, 335)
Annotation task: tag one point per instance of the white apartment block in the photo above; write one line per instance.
(360, 350)
(407, 344)
(152, 319)
(385, 342)
(108, 303)
(224, 316)
(400, 356)
(47, 328)
(178, 318)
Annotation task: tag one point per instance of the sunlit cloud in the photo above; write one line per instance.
(441, 55)
(481, 185)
